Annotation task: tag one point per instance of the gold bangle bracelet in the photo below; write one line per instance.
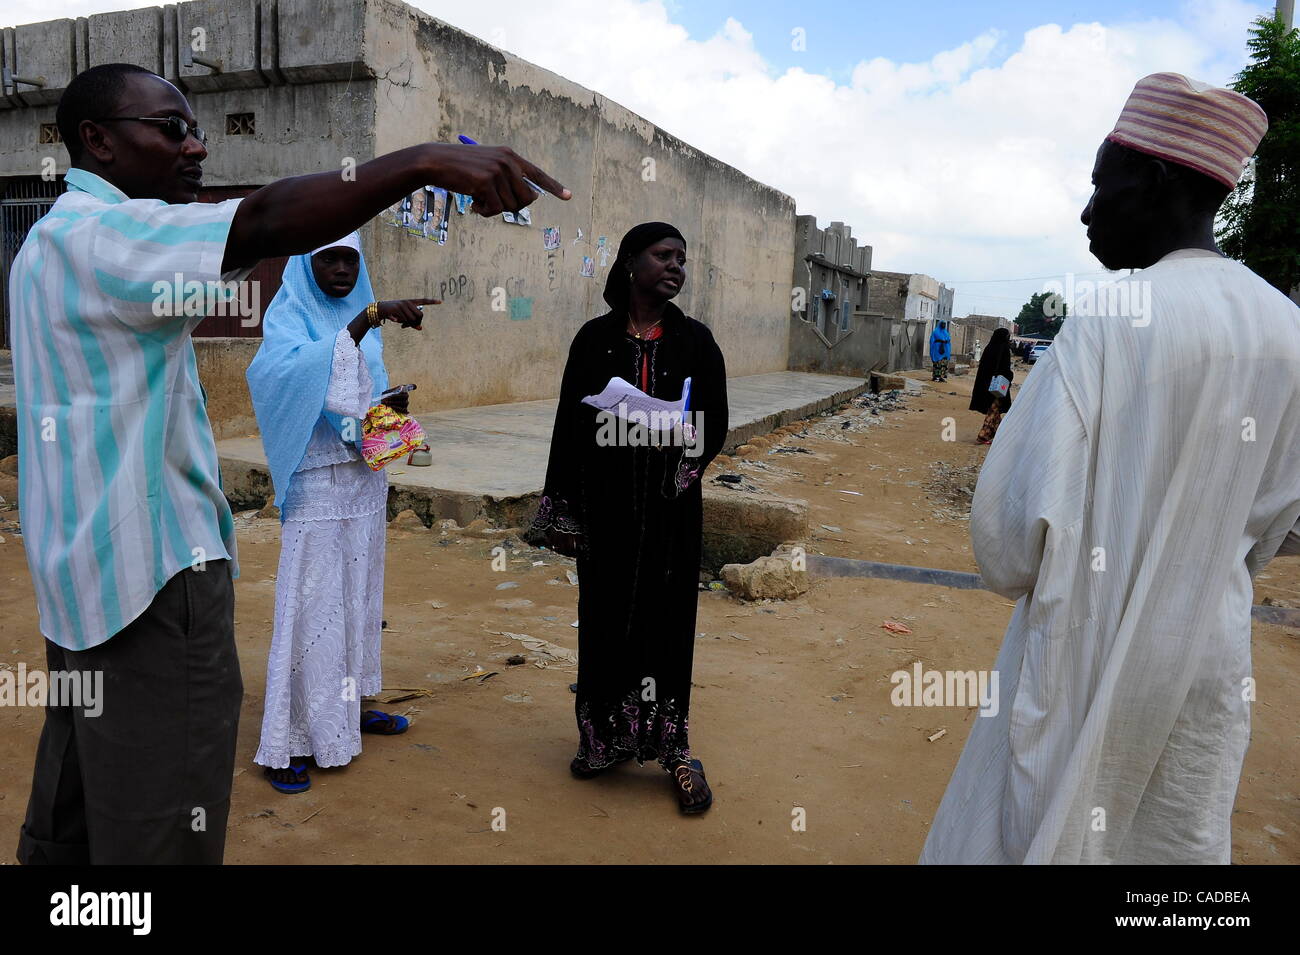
(372, 315)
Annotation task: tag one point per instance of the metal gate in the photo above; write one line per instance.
(23, 200)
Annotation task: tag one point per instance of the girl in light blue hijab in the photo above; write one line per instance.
(318, 371)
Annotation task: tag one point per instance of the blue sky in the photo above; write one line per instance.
(840, 33)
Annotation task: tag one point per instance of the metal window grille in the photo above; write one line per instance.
(241, 124)
(23, 200)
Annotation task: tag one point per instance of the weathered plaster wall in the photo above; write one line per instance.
(330, 80)
(439, 83)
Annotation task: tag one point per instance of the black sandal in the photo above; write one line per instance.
(682, 774)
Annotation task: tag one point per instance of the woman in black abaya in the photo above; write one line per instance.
(632, 515)
(995, 361)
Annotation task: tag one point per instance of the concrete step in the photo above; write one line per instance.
(490, 461)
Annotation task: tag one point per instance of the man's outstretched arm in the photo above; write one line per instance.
(296, 215)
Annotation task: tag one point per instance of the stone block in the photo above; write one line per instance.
(321, 42)
(223, 32)
(127, 36)
(43, 50)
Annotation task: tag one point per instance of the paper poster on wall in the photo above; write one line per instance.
(415, 212)
(424, 213)
(588, 266)
(508, 217)
(463, 202)
(439, 205)
(524, 217)
(550, 238)
(602, 249)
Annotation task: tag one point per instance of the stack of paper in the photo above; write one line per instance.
(623, 398)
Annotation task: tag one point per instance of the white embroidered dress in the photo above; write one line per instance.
(329, 590)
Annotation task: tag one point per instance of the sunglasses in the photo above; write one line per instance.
(175, 127)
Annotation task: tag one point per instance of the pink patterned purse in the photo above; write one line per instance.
(387, 435)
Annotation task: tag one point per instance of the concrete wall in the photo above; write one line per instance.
(300, 128)
(330, 80)
(889, 295)
(963, 337)
(739, 232)
(887, 292)
(989, 323)
(831, 259)
(222, 363)
(975, 328)
(922, 303)
(945, 303)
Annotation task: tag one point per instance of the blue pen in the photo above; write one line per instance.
(469, 142)
(688, 430)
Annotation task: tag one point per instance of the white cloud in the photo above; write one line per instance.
(973, 164)
(965, 166)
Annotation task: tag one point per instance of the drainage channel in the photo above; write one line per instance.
(819, 566)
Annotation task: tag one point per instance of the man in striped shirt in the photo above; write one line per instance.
(128, 534)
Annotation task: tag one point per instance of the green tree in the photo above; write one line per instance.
(1042, 315)
(1259, 223)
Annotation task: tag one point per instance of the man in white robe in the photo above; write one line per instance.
(1149, 469)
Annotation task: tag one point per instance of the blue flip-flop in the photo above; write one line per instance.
(299, 769)
(372, 720)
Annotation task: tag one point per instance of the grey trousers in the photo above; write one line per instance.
(147, 780)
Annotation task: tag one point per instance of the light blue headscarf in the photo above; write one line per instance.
(290, 373)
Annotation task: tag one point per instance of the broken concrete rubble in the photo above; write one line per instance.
(772, 577)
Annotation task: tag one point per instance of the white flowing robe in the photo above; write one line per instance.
(329, 589)
(1145, 474)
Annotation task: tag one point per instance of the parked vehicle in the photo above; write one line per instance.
(1037, 352)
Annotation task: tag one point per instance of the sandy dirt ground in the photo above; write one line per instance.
(791, 708)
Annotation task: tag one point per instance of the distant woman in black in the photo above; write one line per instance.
(996, 360)
(632, 516)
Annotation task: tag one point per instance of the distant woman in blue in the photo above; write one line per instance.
(940, 351)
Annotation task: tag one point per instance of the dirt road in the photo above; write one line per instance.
(791, 709)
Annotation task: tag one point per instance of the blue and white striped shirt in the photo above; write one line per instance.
(118, 482)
